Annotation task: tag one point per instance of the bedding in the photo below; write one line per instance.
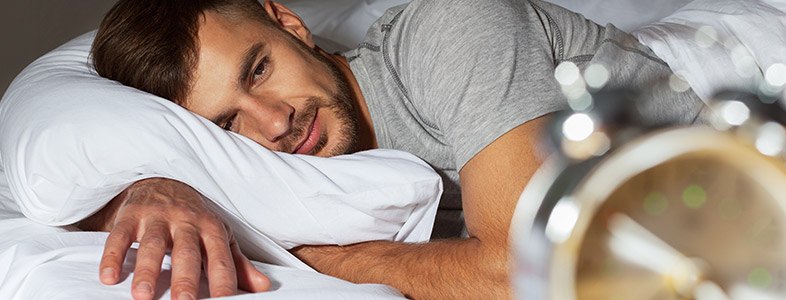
(70, 141)
(723, 44)
(624, 14)
(65, 263)
(33, 255)
(339, 25)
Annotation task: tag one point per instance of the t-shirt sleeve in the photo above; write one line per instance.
(477, 69)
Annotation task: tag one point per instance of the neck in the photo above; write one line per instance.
(366, 139)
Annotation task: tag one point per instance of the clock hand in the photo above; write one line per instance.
(708, 290)
(633, 242)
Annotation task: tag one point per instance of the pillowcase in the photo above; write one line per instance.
(723, 44)
(70, 141)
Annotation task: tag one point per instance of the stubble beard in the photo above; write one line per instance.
(339, 102)
(346, 123)
(342, 106)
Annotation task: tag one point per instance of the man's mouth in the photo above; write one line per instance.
(311, 138)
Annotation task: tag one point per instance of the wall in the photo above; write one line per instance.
(30, 28)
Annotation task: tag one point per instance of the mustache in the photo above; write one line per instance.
(300, 125)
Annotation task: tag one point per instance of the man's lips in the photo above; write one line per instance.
(312, 137)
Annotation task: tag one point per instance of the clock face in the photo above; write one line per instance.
(704, 225)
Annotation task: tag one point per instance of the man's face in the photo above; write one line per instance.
(261, 82)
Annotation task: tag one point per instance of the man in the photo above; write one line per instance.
(465, 85)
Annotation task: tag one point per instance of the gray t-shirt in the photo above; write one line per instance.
(445, 78)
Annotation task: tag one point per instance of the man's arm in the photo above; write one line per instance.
(164, 214)
(471, 268)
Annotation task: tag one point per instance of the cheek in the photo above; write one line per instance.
(295, 82)
(306, 73)
(250, 129)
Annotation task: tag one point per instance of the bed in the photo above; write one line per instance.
(34, 255)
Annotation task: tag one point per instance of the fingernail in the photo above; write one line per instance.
(262, 282)
(108, 274)
(185, 296)
(144, 287)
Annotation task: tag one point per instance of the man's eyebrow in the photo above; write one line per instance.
(248, 62)
(249, 57)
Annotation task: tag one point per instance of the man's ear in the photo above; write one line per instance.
(289, 21)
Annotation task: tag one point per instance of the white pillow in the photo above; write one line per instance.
(71, 140)
(722, 44)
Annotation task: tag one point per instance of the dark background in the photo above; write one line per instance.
(30, 28)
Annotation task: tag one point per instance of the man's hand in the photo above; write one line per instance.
(163, 214)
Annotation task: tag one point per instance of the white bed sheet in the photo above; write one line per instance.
(41, 262)
(46, 262)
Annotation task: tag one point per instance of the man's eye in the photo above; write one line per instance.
(228, 125)
(261, 69)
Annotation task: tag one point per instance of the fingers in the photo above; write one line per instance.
(152, 249)
(169, 213)
(186, 263)
(115, 249)
(220, 267)
(248, 277)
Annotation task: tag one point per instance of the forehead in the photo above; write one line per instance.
(222, 33)
(223, 43)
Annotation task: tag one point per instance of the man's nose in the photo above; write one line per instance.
(273, 119)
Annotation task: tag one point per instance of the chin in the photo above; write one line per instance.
(335, 147)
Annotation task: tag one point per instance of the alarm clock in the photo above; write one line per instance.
(629, 210)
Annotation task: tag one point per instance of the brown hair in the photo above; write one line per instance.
(152, 45)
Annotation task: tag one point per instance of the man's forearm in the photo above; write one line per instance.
(446, 269)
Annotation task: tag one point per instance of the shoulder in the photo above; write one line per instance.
(429, 33)
(453, 14)
(466, 28)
